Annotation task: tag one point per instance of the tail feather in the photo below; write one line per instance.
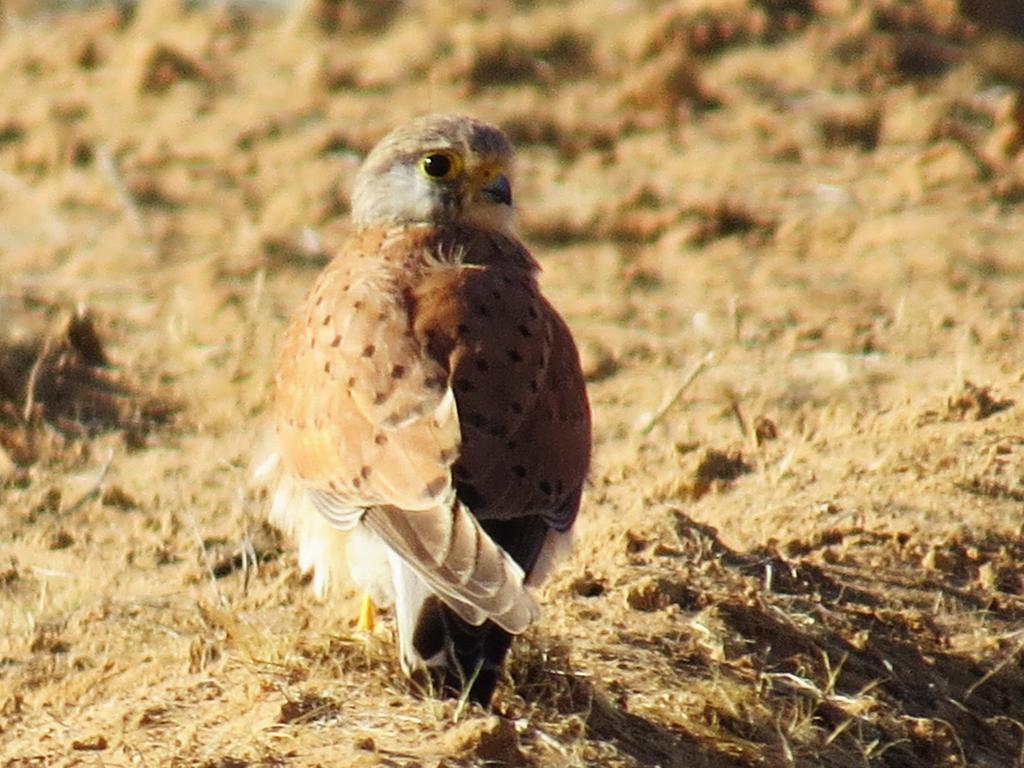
(459, 656)
(451, 550)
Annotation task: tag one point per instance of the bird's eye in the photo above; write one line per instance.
(439, 165)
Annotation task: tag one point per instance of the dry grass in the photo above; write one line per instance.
(786, 238)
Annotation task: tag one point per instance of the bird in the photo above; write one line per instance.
(431, 421)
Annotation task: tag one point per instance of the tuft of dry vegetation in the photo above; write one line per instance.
(786, 235)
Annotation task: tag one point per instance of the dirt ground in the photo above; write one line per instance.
(788, 237)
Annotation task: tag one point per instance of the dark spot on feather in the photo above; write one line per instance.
(438, 382)
(435, 486)
(525, 331)
(380, 397)
(447, 455)
(481, 309)
(532, 310)
(534, 387)
(398, 372)
(519, 470)
(366, 472)
(351, 382)
(319, 300)
(380, 438)
(327, 319)
(496, 295)
(327, 366)
(358, 304)
(336, 341)
(514, 356)
(545, 487)
(462, 328)
(368, 350)
(481, 365)
(357, 482)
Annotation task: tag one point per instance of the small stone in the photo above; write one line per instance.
(60, 539)
(95, 744)
(490, 739)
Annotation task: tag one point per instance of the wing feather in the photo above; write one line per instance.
(369, 424)
(364, 417)
(479, 580)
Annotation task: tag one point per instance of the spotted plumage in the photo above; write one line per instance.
(429, 400)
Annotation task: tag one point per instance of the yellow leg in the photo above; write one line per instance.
(367, 614)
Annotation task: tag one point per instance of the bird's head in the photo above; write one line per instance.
(439, 169)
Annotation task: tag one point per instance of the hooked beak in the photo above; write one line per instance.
(498, 189)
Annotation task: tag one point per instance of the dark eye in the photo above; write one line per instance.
(438, 165)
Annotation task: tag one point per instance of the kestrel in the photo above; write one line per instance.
(430, 405)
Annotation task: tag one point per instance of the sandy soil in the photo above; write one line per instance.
(787, 235)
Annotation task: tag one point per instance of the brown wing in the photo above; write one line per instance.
(367, 422)
(364, 417)
(522, 403)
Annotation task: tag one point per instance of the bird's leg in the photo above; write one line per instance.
(367, 614)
